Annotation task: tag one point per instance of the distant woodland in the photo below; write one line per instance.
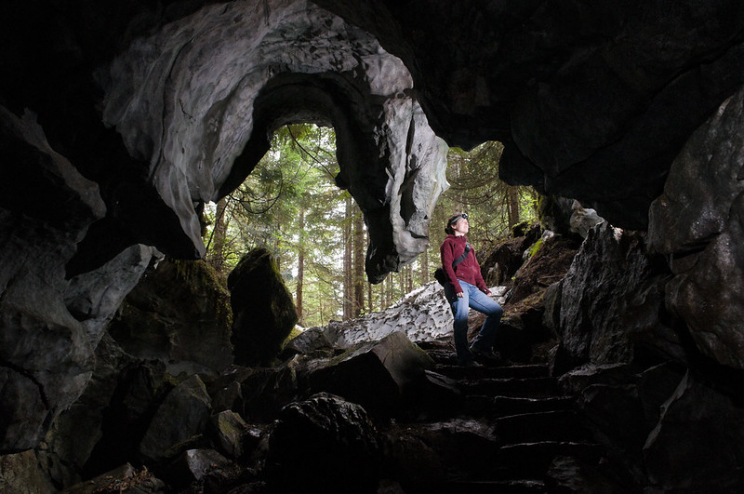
(291, 205)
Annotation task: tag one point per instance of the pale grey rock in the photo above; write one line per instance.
(583, 219)
(50, 326)
(423, 315)
(210, 87)
(698, 222)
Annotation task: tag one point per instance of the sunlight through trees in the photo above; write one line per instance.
(291, 205)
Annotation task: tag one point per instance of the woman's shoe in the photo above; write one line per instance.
(486, 354)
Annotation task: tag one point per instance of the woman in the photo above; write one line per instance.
(465, 288)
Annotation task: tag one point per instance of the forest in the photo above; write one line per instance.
(291, 205)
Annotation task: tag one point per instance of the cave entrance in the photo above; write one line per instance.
(290, 204)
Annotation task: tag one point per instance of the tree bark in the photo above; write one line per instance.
(512, 200)
(301, 267)
(358, 262)
(347, 267)
(220, 236)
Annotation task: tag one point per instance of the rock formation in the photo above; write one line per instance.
(118, 122)
(699, 224)
(263, 311)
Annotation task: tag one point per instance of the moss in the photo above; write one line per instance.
(534, 248)
(292, 335)
(200, 273)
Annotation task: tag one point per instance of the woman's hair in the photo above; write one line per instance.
(452, 220)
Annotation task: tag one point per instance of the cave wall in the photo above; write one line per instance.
(698, 223)
(118, 120)
(592, 100)
(199, 99)
(134, 133)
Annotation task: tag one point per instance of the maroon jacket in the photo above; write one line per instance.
(468, 270)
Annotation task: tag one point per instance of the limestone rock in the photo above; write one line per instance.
(698, 223)
(378, 375)
(610, 301)
(309, 341)
(325, 443)
(255, 393)
(50, 325)
(194, 465)
(423, 315)
(238, 73)
(79, 430)
(22, 473)
(189, 402)
(504, 261)
(583, 219)
(179, 311)
(587, 97)
(263, 309)
(124, 478)
(694, 447)
(229, 429)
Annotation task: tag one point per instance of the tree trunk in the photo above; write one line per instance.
(220, 236)
(424, 276)
(347, 297)
(512, 200)
(300, 266)
(358, 263)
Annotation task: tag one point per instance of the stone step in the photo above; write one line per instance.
(524, 387)
(532, 460)
(503, 406)
(460, 486)
(559, 426)
(493, 371)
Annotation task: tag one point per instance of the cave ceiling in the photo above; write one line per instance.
(169, 105)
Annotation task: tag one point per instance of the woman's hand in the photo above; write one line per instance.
(459, 294)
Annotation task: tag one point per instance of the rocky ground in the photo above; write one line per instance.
(377, 405)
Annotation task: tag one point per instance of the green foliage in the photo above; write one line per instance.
(290, 205)
(475, 187)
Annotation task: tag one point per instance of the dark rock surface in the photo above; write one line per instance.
(190, 402)
(118, 121)
(611, 302)
(263, 309)
(697, 223)
(325, 443)
(592, 101)
(178, 312)
(382, 376)
(49, 325)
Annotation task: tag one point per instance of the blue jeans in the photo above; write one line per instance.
(472, 297)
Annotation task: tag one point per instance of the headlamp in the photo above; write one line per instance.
(457, 218)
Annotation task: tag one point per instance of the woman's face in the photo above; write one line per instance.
(461, 227)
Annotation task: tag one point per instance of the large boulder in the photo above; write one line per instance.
(325, 444)
(165, 437)
(381, 376)
(423, 314)
(263, 310)
(698, 444)
(698, 223)
(611, 302)
(179, 311)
